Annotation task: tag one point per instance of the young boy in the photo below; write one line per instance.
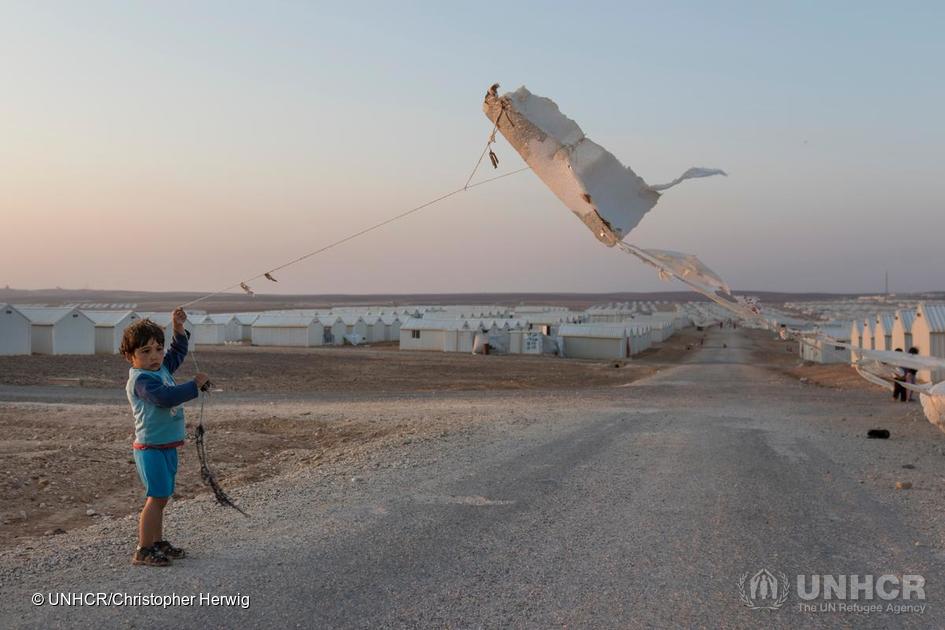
(159, 426)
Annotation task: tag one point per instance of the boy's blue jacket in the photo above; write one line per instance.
(155, 398)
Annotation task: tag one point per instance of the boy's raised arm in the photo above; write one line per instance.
(154, 390)
(177, 352)
(178, 349)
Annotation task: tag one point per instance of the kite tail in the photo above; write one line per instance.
(692, 173)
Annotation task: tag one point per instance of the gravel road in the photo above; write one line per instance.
(638, 506)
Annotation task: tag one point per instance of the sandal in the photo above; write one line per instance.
(170, 550)
(150, 556)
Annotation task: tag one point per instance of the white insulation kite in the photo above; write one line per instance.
(607, 196)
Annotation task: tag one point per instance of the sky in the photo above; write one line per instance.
(184, 146)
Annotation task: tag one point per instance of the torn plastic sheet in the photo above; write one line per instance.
(933, 404)
(691, 271)
(866, 372)
(902, 359)
(607, 196)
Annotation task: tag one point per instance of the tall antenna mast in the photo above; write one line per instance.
(887, 282)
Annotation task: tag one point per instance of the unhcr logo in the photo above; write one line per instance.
(852, 593)
(763, 591)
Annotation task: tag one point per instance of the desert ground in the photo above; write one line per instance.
(431, 490)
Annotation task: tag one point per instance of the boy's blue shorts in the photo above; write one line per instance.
(157, 468)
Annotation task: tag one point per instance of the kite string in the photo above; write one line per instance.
(361, 233)
(485, 149)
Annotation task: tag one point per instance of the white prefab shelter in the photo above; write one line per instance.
(902, 329)
(60, 331)
(376, 329)
(429, 334)
(530, 342)
(819, 350)
(245, 322)
(867, 335)
(593, 341)
(15, 331)
(928, 335)
(392, 325)
(856, 333)
(882, 332)
(338, 329)
(215, 330)
(208, 332)
(355, 325)
(109, 328)
(639, 338)
(299, 331)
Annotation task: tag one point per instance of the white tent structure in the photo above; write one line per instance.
(902, 329)
(301, 331)
(60, 331)
(15, 331)
(109, 328)
(882, 332)
(928, 335)
(593, 341)
(245, 322)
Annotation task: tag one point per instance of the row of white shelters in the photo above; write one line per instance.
(109, 328)
(15, 331)
(60, 331)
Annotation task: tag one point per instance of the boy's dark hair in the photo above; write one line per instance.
(139, 334)
(913, 350)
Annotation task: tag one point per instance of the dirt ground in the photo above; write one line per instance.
(782, 356)
(60, 461)
(237, 368)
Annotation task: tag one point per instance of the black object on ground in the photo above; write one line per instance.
(878, 434)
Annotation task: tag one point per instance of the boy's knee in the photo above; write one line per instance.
(158, 502)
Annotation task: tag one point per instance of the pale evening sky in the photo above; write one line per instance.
(185, 145)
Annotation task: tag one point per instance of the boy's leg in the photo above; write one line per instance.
(157, 469)
(151, 521)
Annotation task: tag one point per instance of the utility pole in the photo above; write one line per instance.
(887, 283)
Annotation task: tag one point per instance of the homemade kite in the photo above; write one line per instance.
(607, 196)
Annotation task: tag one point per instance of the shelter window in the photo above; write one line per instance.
(415, 334)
